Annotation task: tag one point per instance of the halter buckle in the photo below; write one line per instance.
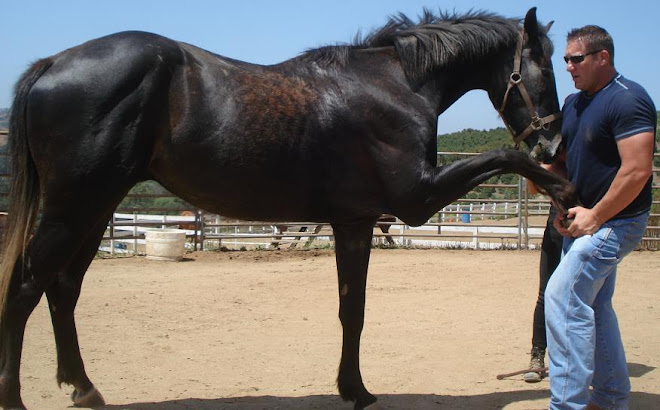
(515, 77)
(536, 123)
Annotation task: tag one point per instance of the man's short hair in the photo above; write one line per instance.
(594, 38)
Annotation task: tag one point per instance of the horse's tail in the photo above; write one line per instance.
(24, 190)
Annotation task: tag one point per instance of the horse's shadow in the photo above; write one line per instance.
(385, 401)
(498, 400)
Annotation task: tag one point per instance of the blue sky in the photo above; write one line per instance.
(267, 32)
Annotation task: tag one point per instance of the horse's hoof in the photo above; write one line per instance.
(92, 398)
(567, 222)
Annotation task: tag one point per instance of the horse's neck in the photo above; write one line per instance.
(452, 74)
(442, 89)
(450, 85)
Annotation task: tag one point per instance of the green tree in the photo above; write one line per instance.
(150, 194)
(477, 141)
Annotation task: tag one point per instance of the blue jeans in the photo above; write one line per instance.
(584, 343)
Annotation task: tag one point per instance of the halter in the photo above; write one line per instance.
(515, 80)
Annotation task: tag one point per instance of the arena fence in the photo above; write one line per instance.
(504, 217)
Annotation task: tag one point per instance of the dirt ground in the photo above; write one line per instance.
(259, 330)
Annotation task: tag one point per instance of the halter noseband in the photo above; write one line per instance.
(515, 80)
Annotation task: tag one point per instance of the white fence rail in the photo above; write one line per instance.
(476, 225)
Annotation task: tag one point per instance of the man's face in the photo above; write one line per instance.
(584, 73)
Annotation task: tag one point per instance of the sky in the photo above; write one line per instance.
(271, 31)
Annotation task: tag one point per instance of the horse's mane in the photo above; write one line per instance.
(433, 41)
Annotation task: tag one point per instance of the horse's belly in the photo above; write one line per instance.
(248, 193)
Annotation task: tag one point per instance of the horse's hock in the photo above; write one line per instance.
(165, 244)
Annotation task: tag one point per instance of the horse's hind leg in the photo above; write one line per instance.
(60, 237)
(45, 257)
(24, 294)
(62, 297)
(353, 247)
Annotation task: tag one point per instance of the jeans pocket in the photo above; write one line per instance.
(612, 260)
(606, 246)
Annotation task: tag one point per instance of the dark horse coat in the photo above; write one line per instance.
(339, 135)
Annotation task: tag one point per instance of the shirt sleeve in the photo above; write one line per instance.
(631, 113)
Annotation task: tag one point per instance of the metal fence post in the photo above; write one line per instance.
(201, 230)
(135, 233)
(520, 218)
(526, 214)
(112, 234)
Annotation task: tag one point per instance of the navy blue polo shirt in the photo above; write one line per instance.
(590, 128)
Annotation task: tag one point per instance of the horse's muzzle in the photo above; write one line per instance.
(546, 151)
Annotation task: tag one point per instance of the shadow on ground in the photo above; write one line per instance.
(638, 370)
(496, 400)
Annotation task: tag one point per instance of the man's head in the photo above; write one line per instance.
(590, 58)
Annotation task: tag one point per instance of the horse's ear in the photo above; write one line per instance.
(547, 27)
(531, 25)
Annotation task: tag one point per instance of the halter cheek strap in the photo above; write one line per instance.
(515, 80)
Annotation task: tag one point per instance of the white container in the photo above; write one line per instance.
(165, 244)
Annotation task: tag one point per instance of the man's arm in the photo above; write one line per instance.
(636, 154)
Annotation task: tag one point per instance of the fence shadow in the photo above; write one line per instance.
(497, 400)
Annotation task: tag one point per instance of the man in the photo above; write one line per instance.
(609, 136)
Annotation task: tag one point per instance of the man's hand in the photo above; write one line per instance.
(584, 222)
(636, 154)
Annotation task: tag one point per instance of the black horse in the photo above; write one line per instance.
(339, 134)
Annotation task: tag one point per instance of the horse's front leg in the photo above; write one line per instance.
(352, 247)
(441, 186)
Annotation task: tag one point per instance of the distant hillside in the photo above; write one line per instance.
(470, 140)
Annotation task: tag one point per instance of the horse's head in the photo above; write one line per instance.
(526, 93)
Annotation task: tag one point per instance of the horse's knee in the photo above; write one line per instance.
(63, 297)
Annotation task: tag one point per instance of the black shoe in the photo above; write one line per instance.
(537, 362)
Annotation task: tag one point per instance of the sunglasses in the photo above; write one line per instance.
(580, 57)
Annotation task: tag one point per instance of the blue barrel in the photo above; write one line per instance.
(465, 217)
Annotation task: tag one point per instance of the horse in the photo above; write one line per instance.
(189, 226)
(352, 126)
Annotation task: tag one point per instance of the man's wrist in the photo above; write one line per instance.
(597, 216)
